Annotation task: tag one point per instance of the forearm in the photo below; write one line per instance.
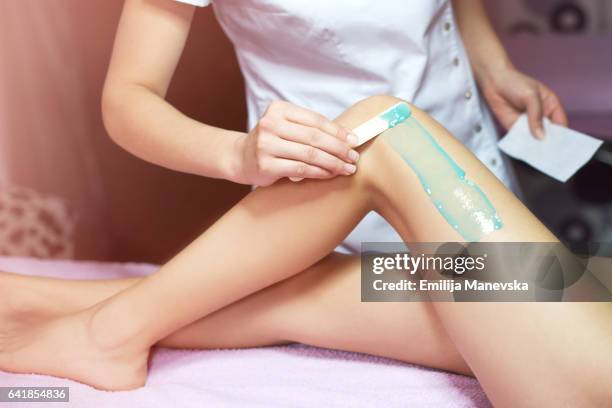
(147, 126)
(484, 48)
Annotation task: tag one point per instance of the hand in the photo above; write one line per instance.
(509, 93)
(291, 141)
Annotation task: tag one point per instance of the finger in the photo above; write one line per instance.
(317, 138)
(559, 116)
(311, 155)
(553, 109)
(306, 117)
(506, 115)
(534, 115)
(297, 170)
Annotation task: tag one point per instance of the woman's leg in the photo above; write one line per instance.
(524, 354)
(320, 306)
(273, 233)
(28, 299)
(112, 345)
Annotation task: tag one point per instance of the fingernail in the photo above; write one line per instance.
(350, 169)
(539, 133)
(353, 155)
(352, 139)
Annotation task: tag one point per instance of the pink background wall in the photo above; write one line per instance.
(51, 136)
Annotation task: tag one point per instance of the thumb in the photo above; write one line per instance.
(534, 115)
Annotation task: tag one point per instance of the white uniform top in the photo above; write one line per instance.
(326, 55)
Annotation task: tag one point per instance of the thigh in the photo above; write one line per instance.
(322, 307)
(524, 354)
(330, 313)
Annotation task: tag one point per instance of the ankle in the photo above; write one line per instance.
(17, 298)
(108, 332)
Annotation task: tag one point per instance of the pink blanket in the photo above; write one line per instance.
(291, 376)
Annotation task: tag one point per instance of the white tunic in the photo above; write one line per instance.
(326, 55)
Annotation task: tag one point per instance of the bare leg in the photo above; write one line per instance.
(524, 354)
(231, 268)
(320, 306)
(532, 369)
(27, 299)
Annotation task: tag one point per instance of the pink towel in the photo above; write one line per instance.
(290, 376)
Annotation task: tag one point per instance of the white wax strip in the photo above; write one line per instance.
(560, 154)
(369, 129)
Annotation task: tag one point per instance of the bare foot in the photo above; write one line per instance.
(63, 347)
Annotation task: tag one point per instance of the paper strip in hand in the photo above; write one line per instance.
(560, 154)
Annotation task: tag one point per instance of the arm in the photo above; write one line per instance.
(507, 91)
(483, 46)
(148, 45)
(289, 140)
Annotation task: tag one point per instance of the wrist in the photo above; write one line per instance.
(487, 70)
(235, 164)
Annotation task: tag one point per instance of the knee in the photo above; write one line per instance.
(378, 161)
(374, 153)
(381, 101)
(369, 107)
(373, 105)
